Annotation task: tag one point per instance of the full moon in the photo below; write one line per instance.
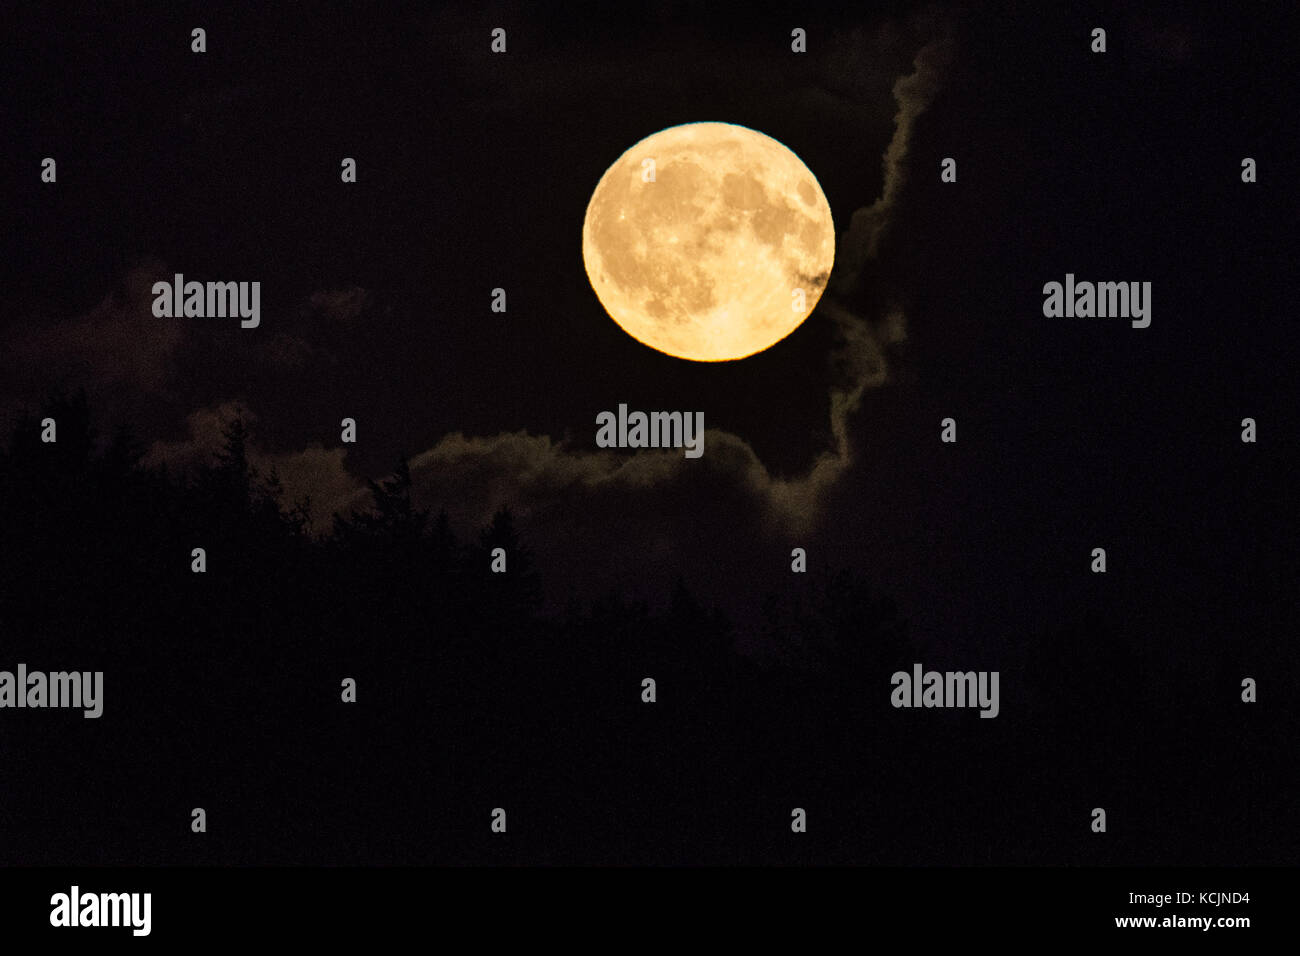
(708, 241)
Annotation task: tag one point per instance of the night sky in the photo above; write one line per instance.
(474, 171)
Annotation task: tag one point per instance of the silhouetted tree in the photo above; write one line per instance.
(516, 594)
(468, 687)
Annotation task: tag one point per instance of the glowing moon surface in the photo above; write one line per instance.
(717, 249)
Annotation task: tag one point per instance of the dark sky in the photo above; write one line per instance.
(474, 172)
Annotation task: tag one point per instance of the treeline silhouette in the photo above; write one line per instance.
(222, 690)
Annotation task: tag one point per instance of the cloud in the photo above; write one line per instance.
(338, 305)
(859, 357)
(913, 94)
(118, 346)
(534, 473)
(291, 352)
(203, 439)
(313, 336)
(315, 471)
(862, 339)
